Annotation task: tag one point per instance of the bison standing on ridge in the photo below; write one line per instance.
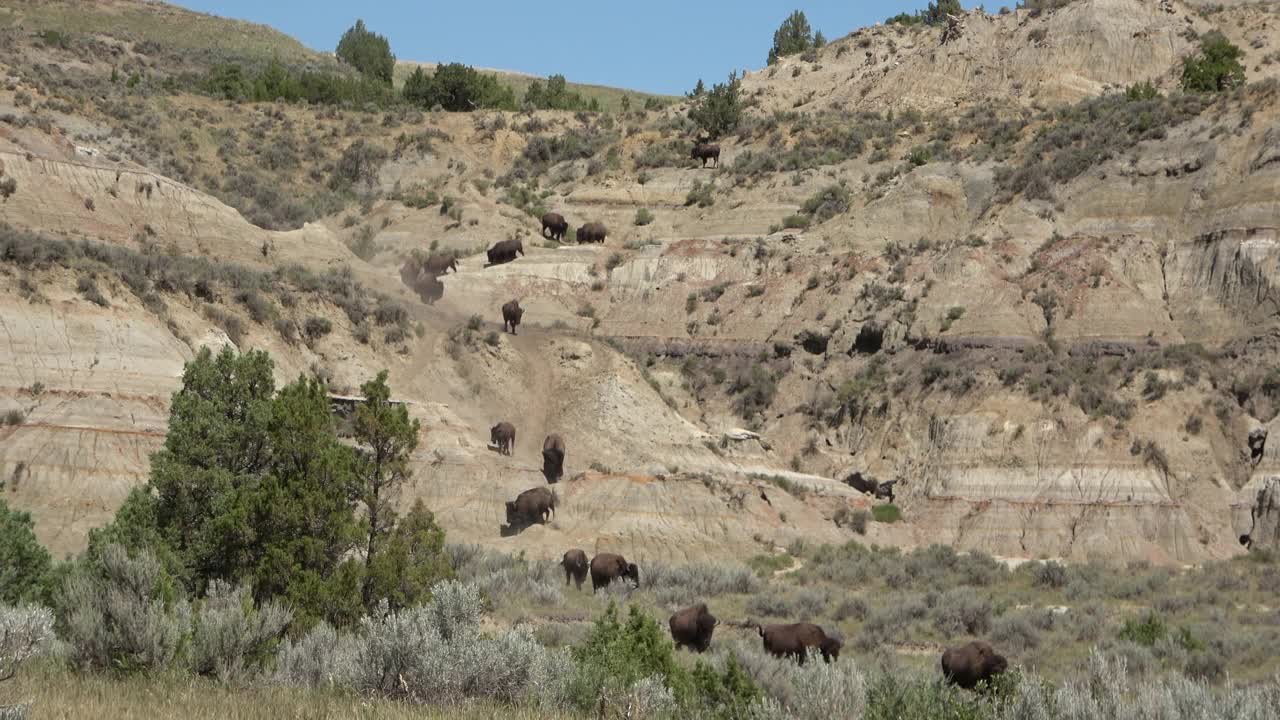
(592, 232)
(706, 151)
(536, 505)
(553, 458)
(505, 251)
(556, 223)
(441, 264)
(511, 314)
(607, 567)
(503, 437)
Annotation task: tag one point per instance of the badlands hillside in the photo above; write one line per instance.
(982, 268)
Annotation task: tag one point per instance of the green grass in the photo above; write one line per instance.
(610, 98)
(887, 513)
(167, 25)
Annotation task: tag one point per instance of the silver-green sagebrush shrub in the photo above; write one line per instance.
(231, 636)
(321, 658)
(25, 632)
(120, 613)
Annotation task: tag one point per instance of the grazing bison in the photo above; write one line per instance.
(795, 639)
(556, 223)
(503, 436)
(414, 274)
(692, 628)
(592, 232)
(536, 505)
(505, 251)
(969, 664)
(575, 566)
(706, 151)
(511, 314)
(553, 458)
(607, 567)
(441, 264)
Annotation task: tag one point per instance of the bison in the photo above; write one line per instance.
(505, 251)
(536, 505)
(706, 151)
(972, 663)
(414, 275)
(592, 232)
(575, 566)
(692, 628)
(556, 223)
(794, 640)
(607, 567)
(870, 486)
(503, 436)
(511, 314)
(440, 264)
(553, 458)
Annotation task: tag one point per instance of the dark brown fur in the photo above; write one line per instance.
(503, 435)
(441, 264)
(505, 251)
(795, 640)
(511, 314)
(692, 628)
(536, 505)
(592, 232)
(553, 458)
(705, 152)
(557, 224)
(969, 664)
(575, 566)
(607, 567)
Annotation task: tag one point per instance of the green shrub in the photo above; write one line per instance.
(886, 513)
(317, 327)
(555, 95)
(24, 563)
(794, 37)
(457, 88)
(643, 217)
(366, 51)
(1146, 631)
(700, 194)
(1215, 68)
(718, 112)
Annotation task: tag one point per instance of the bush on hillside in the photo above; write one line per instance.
(122, 612)
(718, 112)
(1215, 68)
(25, 632)
(555, 95)
(231, 637)
(24, 562)
(455, 87)
(794, 37)
(366, 51)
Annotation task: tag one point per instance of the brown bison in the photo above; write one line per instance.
(556, 223)
(795, 639)
(592, 232)
(414, 274)
(692, 628)
(537, 505)
(440, 264)
(607, 567)
(503, 436)
(575, 566)
(970, 664)
(505, 251)
(553, 458)
(511, 314)
(706, 151)
(870, 486)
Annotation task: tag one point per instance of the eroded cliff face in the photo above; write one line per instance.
(1024, 368)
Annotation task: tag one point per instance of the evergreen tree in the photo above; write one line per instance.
(794, 36)
(1215, 68)
(368, 52)
(717, 113)
(386, 438)
(410, 562)
(24, 562)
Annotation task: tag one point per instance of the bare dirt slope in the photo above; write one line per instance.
(1068, 373)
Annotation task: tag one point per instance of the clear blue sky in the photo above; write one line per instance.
(660, 46)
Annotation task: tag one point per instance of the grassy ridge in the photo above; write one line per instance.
(167, 25)
(610, 98)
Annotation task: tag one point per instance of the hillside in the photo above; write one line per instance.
(977, 268)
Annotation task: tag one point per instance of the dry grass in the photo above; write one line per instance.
(57, 693)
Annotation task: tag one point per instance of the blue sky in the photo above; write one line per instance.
(658, 46)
